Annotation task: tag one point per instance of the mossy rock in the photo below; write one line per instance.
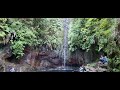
(104, 65)
(92, 65)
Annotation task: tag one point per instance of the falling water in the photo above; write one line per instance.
(66, 28)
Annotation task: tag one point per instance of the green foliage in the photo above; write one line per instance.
(114, 64)
(32, 32)
(86, 32)
(18, 48)
(24, 36)
(83, 34)
(2, 34)
(92, 64)
(49, 31)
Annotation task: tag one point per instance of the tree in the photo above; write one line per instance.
(86, 32)
(33, 32)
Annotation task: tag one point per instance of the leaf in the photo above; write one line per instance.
(2, 34)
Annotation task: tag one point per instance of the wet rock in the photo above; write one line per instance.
(101, 70)
(52, 55)
(6, 53)
(90, 69)
(1, 68)
(25, 69)
(1, 65)
(45, 63)
(55, 61)
(43, 53)
(103, 65)
(73, 62)
(96, 67)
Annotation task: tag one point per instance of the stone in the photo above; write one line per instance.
(90, 69)
(45, 63)
(105, 65)
(101, 70)
(55, 61)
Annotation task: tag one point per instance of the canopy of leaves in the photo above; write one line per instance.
(100, 32)
(31, 31)
(88, 31)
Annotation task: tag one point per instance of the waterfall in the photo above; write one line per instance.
(66, 28)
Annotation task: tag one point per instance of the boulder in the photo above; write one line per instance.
(1, 68)
(1, 65)
(45, 63)
(5, 53)
(55, 61)
(90, 69)
(43, 53)
(101, 70)
(73, 62)
(105, 65)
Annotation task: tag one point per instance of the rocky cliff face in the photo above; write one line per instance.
(43, 59)
(79, 57)
(4, 54)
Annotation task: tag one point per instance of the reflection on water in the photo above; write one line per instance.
(61, 69)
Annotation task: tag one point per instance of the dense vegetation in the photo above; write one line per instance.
(31, 32)
(85, 33)
(97, 32)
